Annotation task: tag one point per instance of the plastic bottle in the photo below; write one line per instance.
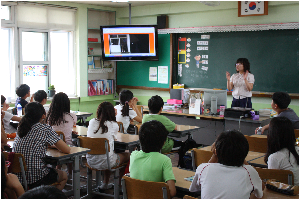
(19, 110)
(222, 111)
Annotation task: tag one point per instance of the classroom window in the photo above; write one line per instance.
(62, 66)
(44, 63)
(6, 56)
(5, 12)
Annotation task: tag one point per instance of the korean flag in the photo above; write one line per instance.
(252, 7)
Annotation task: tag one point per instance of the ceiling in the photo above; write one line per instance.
(123, 4)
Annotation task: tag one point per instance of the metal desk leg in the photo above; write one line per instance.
(76, 177)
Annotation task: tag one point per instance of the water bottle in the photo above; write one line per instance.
(19, 110)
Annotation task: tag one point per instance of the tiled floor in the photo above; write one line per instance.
(83, 172)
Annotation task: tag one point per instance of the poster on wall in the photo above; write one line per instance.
(152, 74)
(163, 74)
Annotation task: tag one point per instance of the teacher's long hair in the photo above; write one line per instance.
(245, 63)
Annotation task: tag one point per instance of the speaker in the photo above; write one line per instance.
(162, 22)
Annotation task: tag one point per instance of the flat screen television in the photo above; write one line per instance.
(129, 42)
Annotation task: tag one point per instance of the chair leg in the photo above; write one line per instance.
(89, 181)
(124, 188)
(116, 184)
(98, 178)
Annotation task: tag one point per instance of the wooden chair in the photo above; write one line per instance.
(296, 133)
(61, 135)
(15, 111)
(18, 166)
(200, 156)
(100, 146)
(140, 108)
(138, 189)
(137, 128)
(284, 176)
(257, 144)
(121, 127)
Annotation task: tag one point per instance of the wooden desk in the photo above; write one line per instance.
(210, 125)
(81, 116)
(259, 136)
(183, 130)
(73, 157)
(258, 162)
(180, 174)
(124, 141)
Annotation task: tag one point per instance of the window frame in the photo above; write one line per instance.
(12, 13)
(21, 62)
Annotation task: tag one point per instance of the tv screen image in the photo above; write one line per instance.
(129, 42)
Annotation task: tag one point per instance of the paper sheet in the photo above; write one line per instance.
(163, 74)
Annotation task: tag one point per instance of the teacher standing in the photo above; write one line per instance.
(241, 83)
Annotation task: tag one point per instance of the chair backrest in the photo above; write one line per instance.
(121, 127)
(138, 189)
(284, 176)
(257, 144)
(18, 165)
(296, 133)
(61, 135)
(96, 145)
(137, 128)
(200, 156)
(140, 108)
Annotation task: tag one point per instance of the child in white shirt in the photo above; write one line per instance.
(105, 126)
(127, 110)
(8, 116)
(227, 175)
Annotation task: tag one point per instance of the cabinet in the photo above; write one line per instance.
(97, 68)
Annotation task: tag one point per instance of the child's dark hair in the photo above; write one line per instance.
(40, 95)
(155, 103)
(232, 148)
(245, 63)
(44, 192)
(33, 113)
(125, 97)
(3, 99)
(60, 105)
(152, 135)
(3, 176)
(22, 90)
(105, 112)
(281, 135)
(282, 99)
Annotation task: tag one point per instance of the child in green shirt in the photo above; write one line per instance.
(148, 164)
(155, 104)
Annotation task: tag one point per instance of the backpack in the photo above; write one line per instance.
(187, 145)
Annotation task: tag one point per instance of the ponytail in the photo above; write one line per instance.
(125, 110)
(125, 97)
(33, 113)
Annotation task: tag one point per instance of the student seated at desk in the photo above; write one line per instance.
(33, 139)
(155, 104)
(11, 188)
(105, 126)
(59, 116)
(280, 103)
(41, 97)
(282, 152)
(23, 91)
(8, 116)
(127, 110)
(227, 175)
(148, 164)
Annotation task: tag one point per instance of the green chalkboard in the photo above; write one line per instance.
(273, 57)
(136, 73)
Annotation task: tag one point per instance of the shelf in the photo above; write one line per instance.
(100, 71)
(96, 29)
(94, 42)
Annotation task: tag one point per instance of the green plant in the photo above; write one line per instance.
(51, 87)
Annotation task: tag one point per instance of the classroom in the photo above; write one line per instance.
(51, 43)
